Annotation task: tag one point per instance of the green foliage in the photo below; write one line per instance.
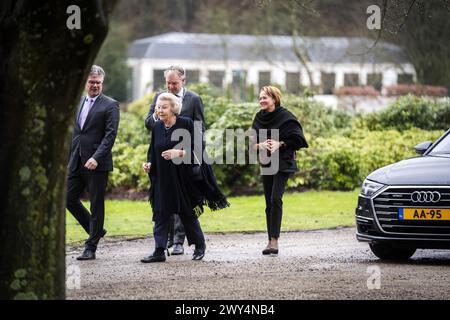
(112, 57)
(129, 152)
(132, 131)
(411, 112)
(230, 177)
(141, 106)
(342, 162)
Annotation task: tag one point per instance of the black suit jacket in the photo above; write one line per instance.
(97, 137)
(192, 108)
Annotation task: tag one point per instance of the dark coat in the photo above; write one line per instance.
(290, 132)
(169, 193)
(97, 137)
(176, 188)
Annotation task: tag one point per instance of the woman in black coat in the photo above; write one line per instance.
(177, 185)
(275, 121)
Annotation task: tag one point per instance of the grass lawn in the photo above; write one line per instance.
(301, 211)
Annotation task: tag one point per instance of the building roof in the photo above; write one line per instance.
(202, 46)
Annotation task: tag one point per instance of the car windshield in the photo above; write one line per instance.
(443, 147)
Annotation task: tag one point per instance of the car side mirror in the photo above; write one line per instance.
(422, 147)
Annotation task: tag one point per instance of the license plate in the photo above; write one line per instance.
(423, 214)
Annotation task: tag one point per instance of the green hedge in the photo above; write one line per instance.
(342, 162)
(411, 112)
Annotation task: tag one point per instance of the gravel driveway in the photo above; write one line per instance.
(324, 264)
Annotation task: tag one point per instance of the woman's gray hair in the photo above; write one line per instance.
(175, 102)
(97, 71)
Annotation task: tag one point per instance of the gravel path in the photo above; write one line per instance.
(324, 264)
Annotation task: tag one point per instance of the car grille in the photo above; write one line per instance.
(386, 207)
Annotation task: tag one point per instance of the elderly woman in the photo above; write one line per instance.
(290, 138)
(177, 186)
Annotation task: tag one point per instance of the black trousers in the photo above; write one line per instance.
(274, 186)
(95, 183)
(176, 229)
(194, 233)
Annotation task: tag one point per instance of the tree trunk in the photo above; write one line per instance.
(43, 69)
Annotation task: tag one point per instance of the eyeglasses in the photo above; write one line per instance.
(91, 82)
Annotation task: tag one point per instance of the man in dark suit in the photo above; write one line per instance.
(192, 107)
(90, 159)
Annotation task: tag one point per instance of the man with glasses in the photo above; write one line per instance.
(192, 107)
(90, 160)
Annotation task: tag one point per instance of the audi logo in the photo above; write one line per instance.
(425, 196)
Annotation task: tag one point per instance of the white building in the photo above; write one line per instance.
(240, 61)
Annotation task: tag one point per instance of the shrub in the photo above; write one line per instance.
(128, 173)
(129, 152)
(342, 162)
(418, 90)
(132, 130)
(411, 112)
(140, 107)
(356, 91)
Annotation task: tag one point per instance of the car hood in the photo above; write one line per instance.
(426, 170)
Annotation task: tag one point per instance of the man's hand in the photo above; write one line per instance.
(172, 153)
(146, 166)
(91, 164)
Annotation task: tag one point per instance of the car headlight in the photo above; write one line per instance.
(370, 187)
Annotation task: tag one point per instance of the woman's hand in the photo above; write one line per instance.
(274, 145)
(172, 154)
(263, 145)
(146, 166)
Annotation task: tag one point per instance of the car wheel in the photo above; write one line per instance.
(386, 251)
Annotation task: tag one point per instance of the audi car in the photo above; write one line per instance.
(406, 205)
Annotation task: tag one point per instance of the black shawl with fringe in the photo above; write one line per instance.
(290, 132)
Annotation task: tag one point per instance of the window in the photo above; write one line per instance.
(192, 76)
(293, 82)
(264, 79)
(375, 80)
(238, 85)
(216, 79)
(405, 78)
(351, 80)
(159, 82)
(328, 82)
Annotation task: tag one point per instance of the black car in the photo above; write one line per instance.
(406, 205)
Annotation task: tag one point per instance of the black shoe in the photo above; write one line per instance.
(266, 251)
(154, 258)
(87, 255)
(273, 251)
(177, 249)
(199, 253)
